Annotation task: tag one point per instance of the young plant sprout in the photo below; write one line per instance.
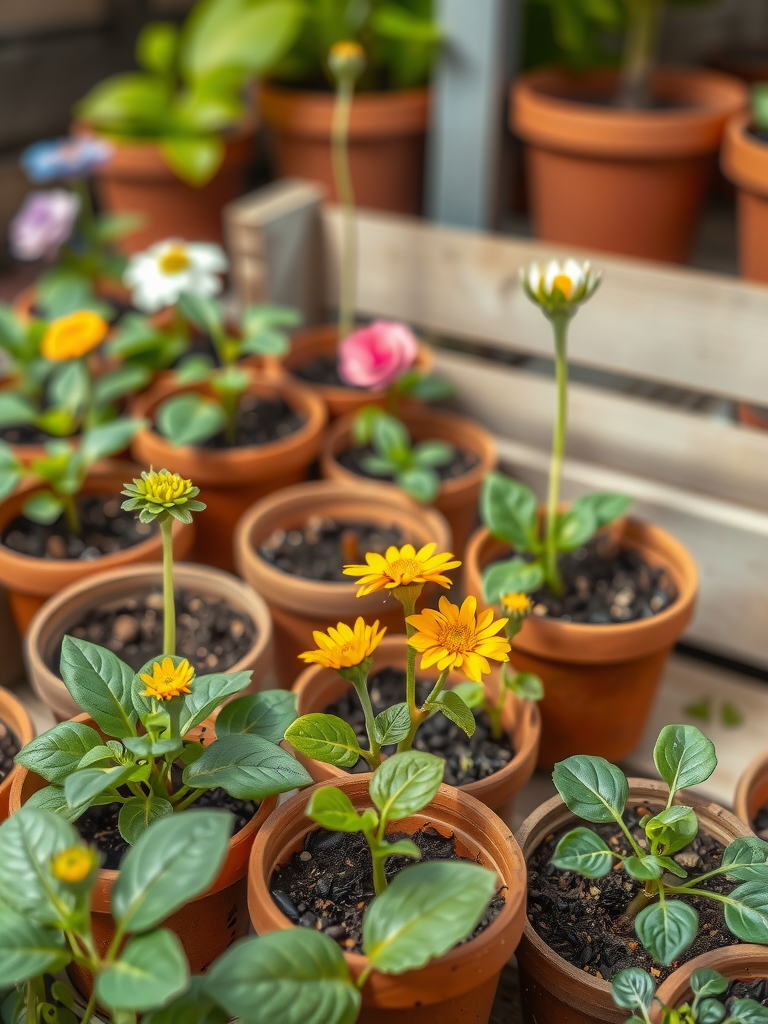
(635, 990)
(597, 791)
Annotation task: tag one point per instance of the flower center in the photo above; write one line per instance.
(565, 284)
(174, 260)
(455, 638)
(166, 488)
(406, 567)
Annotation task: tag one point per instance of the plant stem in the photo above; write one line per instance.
(169, 606)
(345, 90)
(423, 713)
(560, 325)
(365, 699)
(379, 877)
(89, 1008)
(189, 800)
(639, 50)
(71, 514)
(640, 902)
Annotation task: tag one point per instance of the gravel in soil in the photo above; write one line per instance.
(329, 884)
(9, 748)
(210, 634)
(321, 547)
(323, 370)
(757, 990)
(106, 529)
(462, 462)
(260, 421)
(467, 758)
(760, 826)
(581, 918)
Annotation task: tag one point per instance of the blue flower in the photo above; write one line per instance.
(65, 158)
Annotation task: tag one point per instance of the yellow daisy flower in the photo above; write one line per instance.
(344, 647)
(402, 568)
(73, 865)
(518, 605)
(168, 680)
(73, 336)
(454, 638)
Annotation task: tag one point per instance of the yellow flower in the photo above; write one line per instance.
(346, 58)
(402, 568)
(73, 336)
(74, 864)
(453, 638)
(518, 605)
(168, 680)
(344, 647)
(164, 487)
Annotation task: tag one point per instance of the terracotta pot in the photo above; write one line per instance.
(752, 415)
(457, 499)
(206, 925)
(15, 716)
(735, 963)
(232, 479)
(624, 181)
(386, 142)
(72, 604)
(744, 161)
(599, 681)
(752, 790)
(456, 988)
(318, 687)
(322, 339)
(31, 581)
(552, 991)
(299, 606)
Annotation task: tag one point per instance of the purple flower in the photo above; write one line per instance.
(44, 222)
(72, 157)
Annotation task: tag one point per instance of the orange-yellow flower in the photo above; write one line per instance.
(74, 864)
(168, 680)
(402, 568)
(344, 647)
(518, 605)
(454, 638)
(73, 336)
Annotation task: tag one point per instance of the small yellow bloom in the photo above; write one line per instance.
(344, 647)
(168, 680)
(402, 568)
(346, 59)
(74, 864)
(454, 638)
(517, 604)
(164, 487)
(175, 259)
(73, 336)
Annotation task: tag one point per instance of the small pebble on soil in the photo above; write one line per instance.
(320, 548)
(9, 748)
(353, 460)
(260, 421)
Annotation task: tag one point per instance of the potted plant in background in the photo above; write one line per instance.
(741, 971)
(745, 162)
(621, 162)
(751, 800)
(611, 595)
(16, 729)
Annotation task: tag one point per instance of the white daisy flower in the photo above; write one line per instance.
(559, 287)
(159, 275)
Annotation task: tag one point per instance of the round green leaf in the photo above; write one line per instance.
(190, 419)
(99, 683)
(707, 983)
(420, 482)
(247, 767)
(57, 753)
(43, 507)
(583, 851)
(684, 756)
(208, 693)
(28, 949)
(746, 912)
(393, 724)
(672, 829)
(453, 707)
(643, 868)
(510, 511)
(633, 989)
(746, 859)
(267, 714)
(138, 813)
(473, 694)
(591, 787)
(332, 808)
(150, 971)
(405, 783)
(748, 1011)
(712, 1011)
(513, 576)
(29, 840)
(326, 738)
(575, 527)
(666, 929)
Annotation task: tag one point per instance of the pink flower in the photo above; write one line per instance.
(377, 355)
(44, 222)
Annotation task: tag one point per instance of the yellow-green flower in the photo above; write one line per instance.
(161, 494)
(346, 59)
(344, 647)
(74, 864)
(559, 288)
(403, 567)
(168, 680)
(517, 605)
(454, 638)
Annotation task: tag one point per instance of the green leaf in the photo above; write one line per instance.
(325, 738)
(672, 829)
(364, 422)
(267, 714)
(707, 983)
(208, 692)
(591, 787)
(633, 989)
(194, 159)
(711, 1011)
(150, 971)
(99, 683)
(431, 388)
(746, 912)
(405, 783)
(666, 929)
(170, 864)
(684, 756)
(43, 507)
(510, 511)
(82, 786)
(125, 100)
(156, 46)
(575, 527)
(125, 380)
(746, 859)
(195, 1006)
(247, 767)
(511, 577)
(138, 813)
(69, 384)
(52, 798)
(145, 746)
(296, 976)
(190, 419)
(398, 23)
(453, 707)
(108, 439)
(730, 715)
(746, 1011)
(203, 312)
(57, 752)
(702, 709)
(29, 840)
(425, 910)
(584, 852)
(644, 868)
(332, 808)
(193, 369)
(390, 438)
(421, 484)
(403, 848)
(265, 343)
(527, 685)
(433, 453)
(473, 694)
(604, 506)
(16, 409)
(393, 724)
(28, 949)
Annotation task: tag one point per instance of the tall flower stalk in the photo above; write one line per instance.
(640, 44)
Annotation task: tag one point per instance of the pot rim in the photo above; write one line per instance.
(16, 716)
(755, 774)
(744, 158)
(733, 962)
(382, 114)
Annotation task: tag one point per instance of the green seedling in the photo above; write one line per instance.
(635, 990)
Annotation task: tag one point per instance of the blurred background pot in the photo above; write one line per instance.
(744, 161)
(736, 963)
(15, 716)
(752, 790)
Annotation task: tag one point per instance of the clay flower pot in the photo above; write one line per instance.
(299, 606)
(625, 181)
(71, 605)
(456, 988)
(752, 790)
(15, 716)
(232, 479)
(736, 963)
(551, 989)
(386, 142)
(31, 581)
(206, 925)
(599, 681)
(318, 687)
(744, 160)
(458, 498)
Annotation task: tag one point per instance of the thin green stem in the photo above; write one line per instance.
(379, 875)
(194, 795)
(424, 712)
(640, 902)
(639, 50)
(342, 175)
(701, 878)
(370, 725)
(638, 849)
(89, 1008)
(364, 976)
(169, 606)
(560, 325)
(71, 514)
(682, 891)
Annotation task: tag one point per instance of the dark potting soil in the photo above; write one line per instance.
(260, 421)
(323, 370)
(319, 549)
(210, 634)
(581, 918)
(9, 748)
(760, 826)
(105, 530)
(98, 825)
(467, 758)
(761, 134)
(353, 458)
(757, 990)
(329, 884)
(24, 434)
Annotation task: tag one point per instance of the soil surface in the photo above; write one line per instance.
(105, 530)
(467, 758)
(760, 826)
(26, 433)
(320, 549)
(210, 634)
(757, 990)
(260, 421)
(9, 748)
(579, 918)
(758, 133)
(329, 884)
(323, 370)
(462, 462)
